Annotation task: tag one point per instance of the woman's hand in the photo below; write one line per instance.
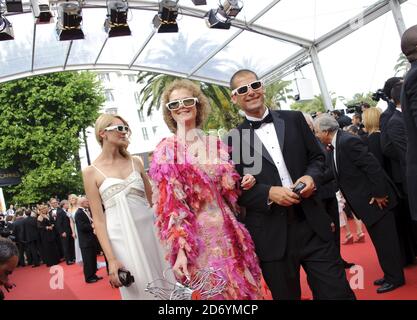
(180, 266)
(248, 181)
(114, 266)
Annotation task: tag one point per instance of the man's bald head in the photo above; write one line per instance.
(409, 43)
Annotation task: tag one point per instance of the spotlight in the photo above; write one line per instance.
(199, 2)
(6, 29)
(116, 22)
(14, 6)
(217, 19)
(69, 21)
(232, 7)
(41, 11)
(221, 17)
(166, 19)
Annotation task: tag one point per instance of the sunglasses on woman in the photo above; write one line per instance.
(245, 89)
(187, 102)
(118, 128)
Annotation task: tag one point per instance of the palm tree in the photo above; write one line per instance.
(402, 65)
(315, 105)
(276, 92)
(223, 115)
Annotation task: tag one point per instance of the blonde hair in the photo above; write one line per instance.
(102, 122)
(42, 207)
(370, 118)
(203, 105)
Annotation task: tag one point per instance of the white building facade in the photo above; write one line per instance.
(122, 98)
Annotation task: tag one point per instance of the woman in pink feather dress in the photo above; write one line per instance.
(195, 193)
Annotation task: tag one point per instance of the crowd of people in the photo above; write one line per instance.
(251, 208)
(51, 233)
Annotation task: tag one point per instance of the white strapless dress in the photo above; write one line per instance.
(130, 227)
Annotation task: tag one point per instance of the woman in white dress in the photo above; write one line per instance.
(117, 182)
(73, 207)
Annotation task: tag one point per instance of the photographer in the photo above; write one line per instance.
(342, 119)
(8, 262)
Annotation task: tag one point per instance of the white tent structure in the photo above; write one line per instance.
(272, 37)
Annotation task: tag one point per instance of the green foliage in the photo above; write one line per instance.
(223, 113)
(402, 66)
(276, 92)
(315, 105)
(359, 98)
(41, 118)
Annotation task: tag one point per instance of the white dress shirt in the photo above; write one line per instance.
(334, 149)
(268, 135)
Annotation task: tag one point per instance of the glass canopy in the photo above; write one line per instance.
(270, 37)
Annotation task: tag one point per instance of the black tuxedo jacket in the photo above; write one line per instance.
(409, 108)
(18, 228)
(31, 229)
(86, 237)
(361, 177)
(328, 187)
(303, 156)
(62, 222)
(398, 137)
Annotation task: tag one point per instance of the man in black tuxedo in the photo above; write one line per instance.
(18, 228)
(288, 230)
(409, 109)
(53, 203)
(369, 192)
(63, 226)
(87, 240)
(326, 191)
(32, 239)
(397, 137)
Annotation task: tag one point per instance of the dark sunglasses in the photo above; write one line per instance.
(119, 128)
(245, 89)
(187, 102)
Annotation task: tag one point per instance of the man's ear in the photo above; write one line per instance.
(234, 99)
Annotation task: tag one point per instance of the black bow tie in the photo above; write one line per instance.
(257, 124)
(330, 147)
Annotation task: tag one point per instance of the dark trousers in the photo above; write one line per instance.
(68, 247)
(321, 261)
(89, 255)
(32, 249)
(332, 209)
(21, 247)
(385, 240)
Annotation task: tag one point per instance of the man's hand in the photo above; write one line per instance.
(64, 234)
(283, 196)
(308, 189)
(382, 202)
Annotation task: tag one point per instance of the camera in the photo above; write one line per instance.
(297, 189)
(378, 95)
(125, 277)
(356, 108)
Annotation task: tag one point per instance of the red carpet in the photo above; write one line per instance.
(34, 284)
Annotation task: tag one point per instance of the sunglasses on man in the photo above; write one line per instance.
(176, 104)
(245, 89)
(118, 128)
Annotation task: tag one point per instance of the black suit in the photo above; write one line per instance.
(18, 228)
(88, 243)
(287, 237)
(327, 193)
(361, 177)
(53, 215)
(33, 239)
(409, 108)
(63, 225)
(398, 137)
